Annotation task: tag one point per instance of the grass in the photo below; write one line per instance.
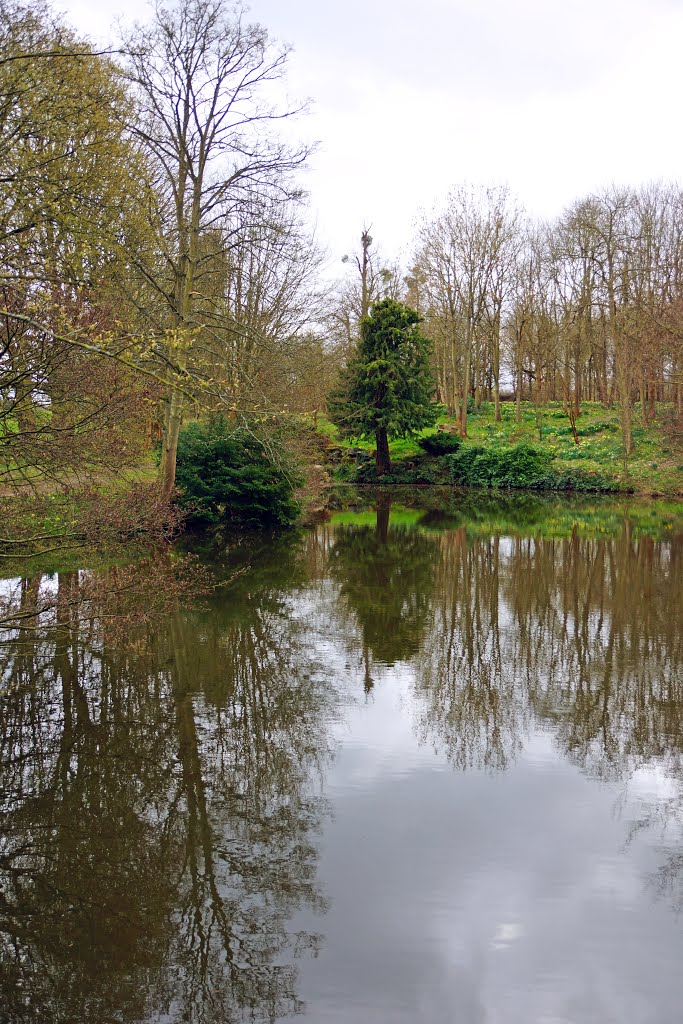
(399, 448)
(654, 468)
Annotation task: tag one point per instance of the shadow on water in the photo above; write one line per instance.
(161, 772)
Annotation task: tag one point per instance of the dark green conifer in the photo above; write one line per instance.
(387, 389)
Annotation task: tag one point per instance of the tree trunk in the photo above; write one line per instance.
(366, 242)
(518, 395)
(169, 448)
(577, 377)
(465, 385)
(382, 460)
(478, 374)
(495, 360)
(624, 386)
(455, 382)
(652, 399)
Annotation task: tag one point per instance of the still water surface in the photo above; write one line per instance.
(403, 768)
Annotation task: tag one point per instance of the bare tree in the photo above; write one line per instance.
(467, 255)
(203, 77)
(376, 279)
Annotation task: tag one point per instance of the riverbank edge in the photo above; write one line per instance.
(589, 459)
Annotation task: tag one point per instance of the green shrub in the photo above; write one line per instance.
(225, 474)
(519, 465)
(360, 456)
(440, 444)
(581, 480)
(404, 471)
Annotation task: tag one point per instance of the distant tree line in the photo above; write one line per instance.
(586, 308)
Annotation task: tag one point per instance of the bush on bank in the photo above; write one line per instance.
(520, 466)
(596, 463)
(440, 444)
(225, 473)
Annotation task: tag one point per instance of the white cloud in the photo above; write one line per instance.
(553, 99)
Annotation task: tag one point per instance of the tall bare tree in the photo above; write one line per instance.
(203, 76)
(373, 278)
(467, 255)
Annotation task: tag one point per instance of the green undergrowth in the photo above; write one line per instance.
(539, 453)
(524, 466)
(68, 528)
(226, 473)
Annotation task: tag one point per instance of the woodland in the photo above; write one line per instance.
(173, 342)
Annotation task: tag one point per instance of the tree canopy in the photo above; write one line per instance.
(387, 389)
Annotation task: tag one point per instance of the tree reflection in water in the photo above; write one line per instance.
(158, 791)
(581, 635)
(158, 817)
(468, 695)
(384, 578)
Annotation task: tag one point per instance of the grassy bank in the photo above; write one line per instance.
(539, 452)
(56, 527)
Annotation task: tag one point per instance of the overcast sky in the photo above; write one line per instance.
(411, 97)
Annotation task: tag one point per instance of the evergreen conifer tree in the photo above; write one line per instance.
(387, 388)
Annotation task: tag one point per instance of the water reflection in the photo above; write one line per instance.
(159, 820)
(385, 581)
(163, 764)
(470, 703)
(584, 634)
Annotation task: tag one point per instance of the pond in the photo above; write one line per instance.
(423, 762)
